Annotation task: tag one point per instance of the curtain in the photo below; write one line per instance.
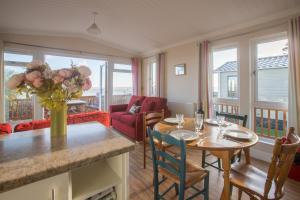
(203, 83)
(136, 75)
(2, 113)
(294, 74)
(161, 74)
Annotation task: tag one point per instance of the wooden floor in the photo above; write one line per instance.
(141, 179)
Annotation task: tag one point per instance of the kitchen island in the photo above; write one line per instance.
(88, 160)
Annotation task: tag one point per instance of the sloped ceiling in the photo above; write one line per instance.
(135, 25)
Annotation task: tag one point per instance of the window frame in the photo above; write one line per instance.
(253, 66)
(153, 92)
(219, 100)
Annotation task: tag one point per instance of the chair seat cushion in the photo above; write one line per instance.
(251, 178)
(117, 115)
(194, 174)
(5, 128)
(128, 119)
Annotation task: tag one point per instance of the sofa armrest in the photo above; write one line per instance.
(117, 108)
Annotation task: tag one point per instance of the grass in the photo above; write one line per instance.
(280, 133)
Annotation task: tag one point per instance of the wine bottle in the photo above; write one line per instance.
(201, 111)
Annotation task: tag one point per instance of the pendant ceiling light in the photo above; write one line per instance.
(93, 28)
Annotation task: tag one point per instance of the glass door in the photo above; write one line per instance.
(17, 107)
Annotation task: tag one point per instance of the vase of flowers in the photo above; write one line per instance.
(54, 89)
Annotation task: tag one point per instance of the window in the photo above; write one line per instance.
(153, 79)
(272, 71)
(122, 83)
(17, 107)
(232, 86)
(92, 99)
(271, 86)
(225, 73)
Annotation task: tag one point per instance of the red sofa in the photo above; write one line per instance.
(99, 116)
(5, 128)
(131, 125)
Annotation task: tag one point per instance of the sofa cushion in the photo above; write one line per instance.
(137, 100)
(5, 128)
(117, 115)
(128, 119)
(154, 104)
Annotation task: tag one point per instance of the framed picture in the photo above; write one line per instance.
(180, 69)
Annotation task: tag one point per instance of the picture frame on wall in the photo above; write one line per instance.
(180, 70)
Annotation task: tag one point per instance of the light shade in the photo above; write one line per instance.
(94, 29)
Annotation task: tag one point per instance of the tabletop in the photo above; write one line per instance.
(210, 138)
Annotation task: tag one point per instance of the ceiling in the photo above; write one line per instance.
(136, 25)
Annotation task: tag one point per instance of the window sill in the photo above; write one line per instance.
(267, 141)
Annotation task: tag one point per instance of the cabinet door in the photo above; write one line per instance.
(54, 188)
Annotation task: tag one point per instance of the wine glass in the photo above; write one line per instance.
(198, 122)
(180, 120)
(220, 121)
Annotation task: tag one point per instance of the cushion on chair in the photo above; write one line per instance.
(23, 127)
(137, 100)
(194, 174)
(5, 128)
(38, 124)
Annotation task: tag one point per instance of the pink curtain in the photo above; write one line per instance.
(203, 94)
(161, 74)
(294, 74)
(135, 75)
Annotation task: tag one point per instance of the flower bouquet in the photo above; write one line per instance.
(54, 88)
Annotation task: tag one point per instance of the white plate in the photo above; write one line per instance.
(171, 120)
(215, 123)
(237, 134)
(184, 134)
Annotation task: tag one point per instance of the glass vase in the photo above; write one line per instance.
(58, 120)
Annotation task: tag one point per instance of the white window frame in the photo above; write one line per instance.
(254, 80)
(218, 100)
(39, 53)
(153, 92)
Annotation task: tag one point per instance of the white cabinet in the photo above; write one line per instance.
(53, 188)
(78, 184)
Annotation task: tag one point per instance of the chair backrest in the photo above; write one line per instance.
(282, 160)
(237, 119)
(150, 119)
(163, 160)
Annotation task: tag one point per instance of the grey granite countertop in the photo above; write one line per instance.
(29, 156)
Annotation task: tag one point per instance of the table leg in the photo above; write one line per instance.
(226, 164)
(247, 155)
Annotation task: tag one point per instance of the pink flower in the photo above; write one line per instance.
(37, 83)
(15, 81)
(87, 84)
(58, 79)
(65, 73)
(33, 75)
(84, 71)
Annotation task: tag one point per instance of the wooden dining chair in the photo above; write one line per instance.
(149, 120)
(260, 185)
(237, 119)
(177, 169)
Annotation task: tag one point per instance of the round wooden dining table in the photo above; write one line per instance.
(210, 139)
